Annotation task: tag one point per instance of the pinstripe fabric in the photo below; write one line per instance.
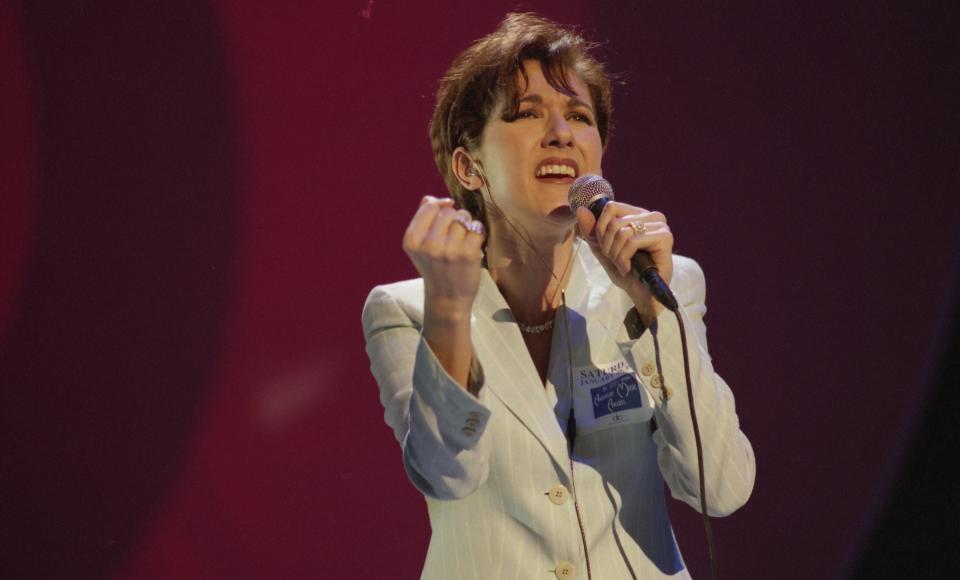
(485, 463)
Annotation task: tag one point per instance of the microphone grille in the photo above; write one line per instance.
(587, 189)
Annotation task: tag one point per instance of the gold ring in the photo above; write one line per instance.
(638, 229)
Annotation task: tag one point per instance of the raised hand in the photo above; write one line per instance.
(444, 244)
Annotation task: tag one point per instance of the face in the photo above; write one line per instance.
(531, 160)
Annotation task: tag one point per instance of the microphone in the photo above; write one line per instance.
(593, 192)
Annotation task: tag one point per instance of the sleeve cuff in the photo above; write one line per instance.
(655, 353)
(459, 417)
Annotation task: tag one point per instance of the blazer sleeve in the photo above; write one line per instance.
(729, 463)
(440, 426)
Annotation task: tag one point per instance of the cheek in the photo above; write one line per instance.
(593, 148)
(502, 173)
(510, 161)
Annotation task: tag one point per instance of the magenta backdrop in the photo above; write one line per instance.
(197, 199)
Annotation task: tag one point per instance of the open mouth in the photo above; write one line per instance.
(557, 169)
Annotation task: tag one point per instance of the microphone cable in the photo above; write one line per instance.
(594, 192)
(696, 437)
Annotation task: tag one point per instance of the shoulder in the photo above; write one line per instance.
(399, 303)
(689, 284)
(404, 291)
(687, 274)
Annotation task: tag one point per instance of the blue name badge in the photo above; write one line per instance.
(608, 395)
(617, 396)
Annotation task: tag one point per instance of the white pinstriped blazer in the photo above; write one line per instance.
(502, 489)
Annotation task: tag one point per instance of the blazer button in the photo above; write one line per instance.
(471, 424)
(656, 381)
(565, 571)
(647, 369)
(557, 495)
(667, 392)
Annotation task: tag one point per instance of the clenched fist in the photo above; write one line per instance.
(444, 245)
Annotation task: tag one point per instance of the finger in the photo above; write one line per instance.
(455, 235)
(656, 241)
(420, 223)
(473, 241)
(438, 228)
(628, 240)
(625, 237)
(586, 223)
(609, 267)
(624, 256)
(615, 209)
(443, 201)
(617, 230)
(603, 222)
(650, 234)
(457, 230)
(612, 211)
(606, 240)
(426, 213)
(653, 216)
(428, 205)
(620, 240)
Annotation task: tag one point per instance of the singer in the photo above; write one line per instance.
(534, 384)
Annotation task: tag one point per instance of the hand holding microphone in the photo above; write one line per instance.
(634, 245)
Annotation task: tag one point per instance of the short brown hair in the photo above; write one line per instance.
(486, 74)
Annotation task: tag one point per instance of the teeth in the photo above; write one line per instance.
(556, 170)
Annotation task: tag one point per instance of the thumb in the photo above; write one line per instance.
(586, 222)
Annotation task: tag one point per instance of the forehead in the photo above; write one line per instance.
(536, 82)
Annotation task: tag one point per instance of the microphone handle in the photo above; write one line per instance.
(643, 268)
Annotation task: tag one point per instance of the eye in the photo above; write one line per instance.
(528, 113)
(580, 117)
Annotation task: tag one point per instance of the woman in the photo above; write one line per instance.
(534, 386)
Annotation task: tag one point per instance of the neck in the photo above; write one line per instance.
(530, 273)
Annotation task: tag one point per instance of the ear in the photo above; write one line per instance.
(467, 172)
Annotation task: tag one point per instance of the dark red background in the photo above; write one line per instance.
(196, 198)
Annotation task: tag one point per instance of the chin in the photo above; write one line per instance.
(562, 214)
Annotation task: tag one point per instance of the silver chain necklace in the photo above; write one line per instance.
(535, 328)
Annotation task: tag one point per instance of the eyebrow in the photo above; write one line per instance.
(571, 102)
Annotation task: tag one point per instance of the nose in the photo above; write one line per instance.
(559, 134)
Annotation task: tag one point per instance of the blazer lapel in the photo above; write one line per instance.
(515, 381)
